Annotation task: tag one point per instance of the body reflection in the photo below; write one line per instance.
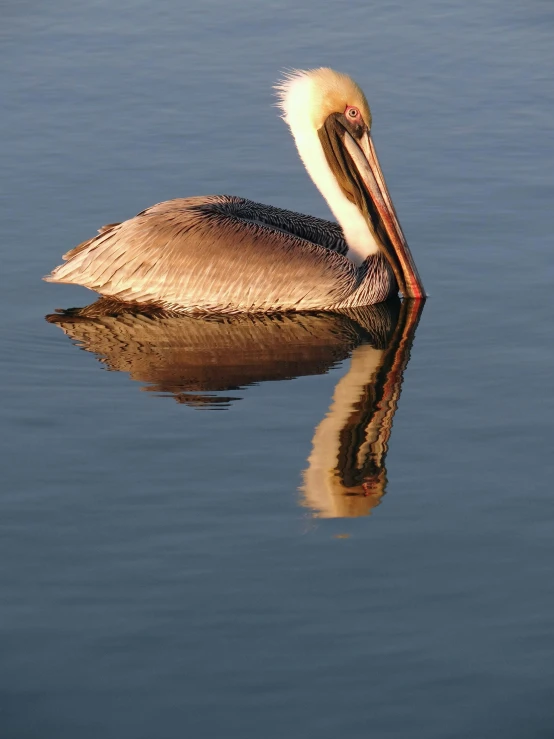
(194, 358)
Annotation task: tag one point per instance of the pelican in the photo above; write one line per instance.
(226, 254)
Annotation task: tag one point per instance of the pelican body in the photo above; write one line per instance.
(225, 254)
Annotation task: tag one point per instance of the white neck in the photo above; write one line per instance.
(296, 95)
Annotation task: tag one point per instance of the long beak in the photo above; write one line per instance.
(395, 246)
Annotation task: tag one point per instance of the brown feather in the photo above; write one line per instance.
(221, 254)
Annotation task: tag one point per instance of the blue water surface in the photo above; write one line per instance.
(162, 571)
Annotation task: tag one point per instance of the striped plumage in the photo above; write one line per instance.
(143, 260)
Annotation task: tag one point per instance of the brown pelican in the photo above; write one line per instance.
(227, 254)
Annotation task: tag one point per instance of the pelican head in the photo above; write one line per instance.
(330, 121)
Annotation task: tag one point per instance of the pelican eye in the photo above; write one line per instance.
(353, 112)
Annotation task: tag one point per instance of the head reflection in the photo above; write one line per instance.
(346, 474)
(193, 358)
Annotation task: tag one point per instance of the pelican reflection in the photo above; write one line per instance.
(193, 358)
(346, 474)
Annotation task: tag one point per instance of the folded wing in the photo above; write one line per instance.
(216, 253)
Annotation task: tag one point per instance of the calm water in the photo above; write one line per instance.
(208, 567)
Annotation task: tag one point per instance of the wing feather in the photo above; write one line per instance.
(215, 254)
